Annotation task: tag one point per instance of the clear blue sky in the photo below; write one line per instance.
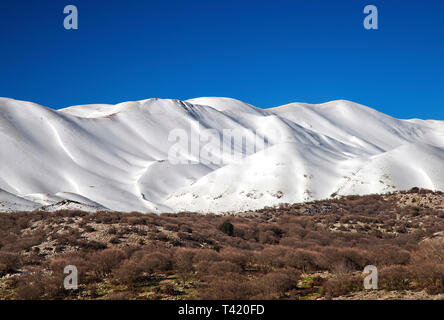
(266, 53)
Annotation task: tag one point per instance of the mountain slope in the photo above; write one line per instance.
(232, 156)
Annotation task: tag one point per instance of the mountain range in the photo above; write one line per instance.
(120, 157)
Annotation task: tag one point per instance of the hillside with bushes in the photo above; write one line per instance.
(314, 250)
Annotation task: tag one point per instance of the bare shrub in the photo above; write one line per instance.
(394, 278)
(35, 284)
(342, 285)
(10, 262)
(239, 257)
(429, 251)
(271, 257)
(29, 290)
(103, 262)
(302, 259)
(136, 221)
(228, 288)
(168, 289)
(118, 296)
(206, 255)
(353, 257)
(428, 266)
(278, 282)
(129, 273)
(184, 263)
(386, 255)
(156, 262)
(222, 268)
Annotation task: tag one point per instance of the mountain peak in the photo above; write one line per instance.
(224, 104)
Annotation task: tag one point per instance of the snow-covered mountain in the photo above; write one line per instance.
(128, 157)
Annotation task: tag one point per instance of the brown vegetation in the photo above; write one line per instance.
(311, 250)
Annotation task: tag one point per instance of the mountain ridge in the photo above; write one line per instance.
(117, 157)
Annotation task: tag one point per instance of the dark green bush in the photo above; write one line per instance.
(227, 228)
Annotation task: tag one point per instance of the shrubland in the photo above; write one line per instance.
(311, 250)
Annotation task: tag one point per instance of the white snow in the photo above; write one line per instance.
(100, 157)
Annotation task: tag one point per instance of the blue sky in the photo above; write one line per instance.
(266, 53)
